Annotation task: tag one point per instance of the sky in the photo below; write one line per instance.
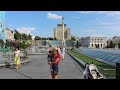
(81, 23)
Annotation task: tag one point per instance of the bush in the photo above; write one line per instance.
(1, 43)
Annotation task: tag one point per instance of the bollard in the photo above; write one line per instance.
(117, 70)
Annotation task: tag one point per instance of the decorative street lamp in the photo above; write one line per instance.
(63, 40)
(25, 45)
(26, 49)
(77, 43)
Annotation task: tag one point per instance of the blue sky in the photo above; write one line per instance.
(81, 23)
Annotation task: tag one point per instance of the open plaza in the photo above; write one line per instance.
(99, 50)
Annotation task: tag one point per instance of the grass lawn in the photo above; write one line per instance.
(89, 60)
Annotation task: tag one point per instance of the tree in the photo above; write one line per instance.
(119, 45)
(8, 43)
(37, 38)
(111, 44)
(17, 36)
(16, 31)
(55, 38)
(73, 38)
(50, 38)
(24, 36)
(1, 43)
(43, 38)
(29, 37)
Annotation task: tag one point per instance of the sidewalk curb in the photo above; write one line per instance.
(22, 62)
(80, 62)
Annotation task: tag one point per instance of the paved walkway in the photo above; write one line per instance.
(38, 68)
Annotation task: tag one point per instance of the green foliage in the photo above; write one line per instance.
(23, 36)
(17, 36)
(1, 43)
(8, 43)
(111, 45)
(22, 40)
(55, 38)
(49, 38)
(37, 38)
(29, 37)
(119, 45)
(73, 38)
(23, 44)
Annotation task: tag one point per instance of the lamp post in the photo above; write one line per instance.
(63, 41)
(14, 43)
(10, 48)
(77, 43)
(25, 45)
(21, 37)
(25, 50)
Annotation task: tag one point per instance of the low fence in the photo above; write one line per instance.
(8, 55)
(37, 50)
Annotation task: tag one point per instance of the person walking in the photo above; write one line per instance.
(55, 64)
(63, 53)
(59, 51)
(17, 58)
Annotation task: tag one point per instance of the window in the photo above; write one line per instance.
(95, 40)
(92, 45)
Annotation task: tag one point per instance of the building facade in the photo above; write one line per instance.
(58, 32)
(9, 34)
(93, 42)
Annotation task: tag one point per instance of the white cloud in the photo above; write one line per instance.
(53, 16)
(111, 13)
(26, 30)
(106, 23)
(109, 22)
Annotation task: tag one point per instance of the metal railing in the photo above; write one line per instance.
(8, 56)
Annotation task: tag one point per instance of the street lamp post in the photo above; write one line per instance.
(21, 37)
(25, 45)
(10, 48)
(63, 41)
(77, 43)
(25, 50)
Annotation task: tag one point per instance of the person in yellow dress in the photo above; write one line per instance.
(17, 58)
